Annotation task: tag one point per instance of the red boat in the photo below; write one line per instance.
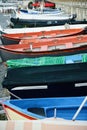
(46, 43)
(60, 46)
(16, 37)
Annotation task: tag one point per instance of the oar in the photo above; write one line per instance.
(27, 88)
(30, 87)
(79, 109)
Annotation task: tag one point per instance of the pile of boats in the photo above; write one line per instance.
(42, 17)
(46, 72)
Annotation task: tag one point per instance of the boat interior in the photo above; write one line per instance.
(52, 107)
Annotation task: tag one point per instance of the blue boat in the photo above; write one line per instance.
(68, 108)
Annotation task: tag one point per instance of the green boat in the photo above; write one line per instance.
(47, 60)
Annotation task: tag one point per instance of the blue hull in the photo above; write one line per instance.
(50, 107)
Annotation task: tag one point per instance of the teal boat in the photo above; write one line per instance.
(47, 60)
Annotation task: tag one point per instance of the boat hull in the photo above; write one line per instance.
(7, 41)
(53, 71)
(9, 53)
(16, 115)
(16, 22)
(61, 80)
(54, 90)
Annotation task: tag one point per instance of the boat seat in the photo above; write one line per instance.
(53, 34)
(33, 36)
(50, 111)
(69, 45)
(41, 111)
(44, 48)
(56, 111)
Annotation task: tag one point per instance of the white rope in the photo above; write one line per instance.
(14, 95)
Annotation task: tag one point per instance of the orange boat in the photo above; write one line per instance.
(61, 46)
(15, 38)
(55, 43)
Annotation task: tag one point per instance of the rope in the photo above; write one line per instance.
(14, 95)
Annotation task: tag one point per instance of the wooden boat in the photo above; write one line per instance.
(60, 80)
(37, 74)
(59, 66)
(38, 29)
(47, 108)
(15, 38)
(63, 46)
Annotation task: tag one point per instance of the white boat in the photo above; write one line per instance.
(38, 18)
(43, 16)
(38, 29)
